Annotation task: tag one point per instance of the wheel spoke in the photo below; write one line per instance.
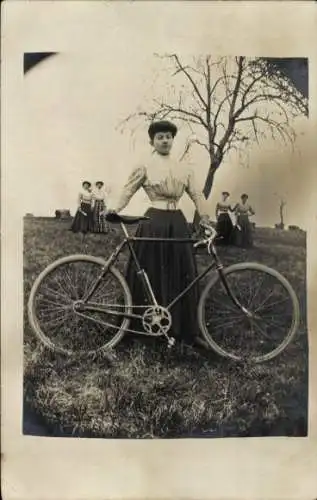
(56, 321)
(219, 301)
(228, 323)
(264, 333)
(87, 287)
(68, 281)
(57, 281)
(56, 304)
(256, 292)
(275, 324)
(271, 304)
(224, 319)
(50, 308)
(50, 291)
(249, 295)
(76, 284)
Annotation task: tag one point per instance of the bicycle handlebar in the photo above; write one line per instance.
(211, 234)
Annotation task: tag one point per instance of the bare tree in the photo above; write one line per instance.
(281, 208)
(226, 103)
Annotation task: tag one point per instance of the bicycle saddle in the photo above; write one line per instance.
(115, 218)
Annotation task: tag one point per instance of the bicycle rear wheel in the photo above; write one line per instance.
(270, 300)
(59, 325)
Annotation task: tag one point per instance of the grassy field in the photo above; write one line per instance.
(143, 391)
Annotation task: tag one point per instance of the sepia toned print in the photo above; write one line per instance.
(182, 313)
(80, 82)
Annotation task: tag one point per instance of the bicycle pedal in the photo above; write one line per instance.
(171, 342)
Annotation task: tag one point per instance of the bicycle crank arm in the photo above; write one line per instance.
(170, 340)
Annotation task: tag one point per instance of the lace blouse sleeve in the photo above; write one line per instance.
(133, 184)
(79, 199)
(196, 195)
(217, 210)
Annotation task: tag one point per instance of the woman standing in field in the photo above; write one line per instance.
(224, 224)
(99, 223)
(243, 211)
(82, 222)
(170, 266)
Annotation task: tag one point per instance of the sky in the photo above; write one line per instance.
(72, 106)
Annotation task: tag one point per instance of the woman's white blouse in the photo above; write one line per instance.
(243, 209)
(84, 196)
(99, 194)
(163, 179)
(223, 207)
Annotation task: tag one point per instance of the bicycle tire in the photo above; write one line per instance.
(32, 316)
(245, 267)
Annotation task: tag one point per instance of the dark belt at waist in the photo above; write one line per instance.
(165, 204)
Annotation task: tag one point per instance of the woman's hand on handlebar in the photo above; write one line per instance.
(210, 233)
(205, 223)
(209, 230)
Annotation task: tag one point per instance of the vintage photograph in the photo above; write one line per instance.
(164, 253)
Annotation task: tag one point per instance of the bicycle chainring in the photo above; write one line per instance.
(156, 320)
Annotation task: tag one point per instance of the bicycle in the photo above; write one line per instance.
(82, 298)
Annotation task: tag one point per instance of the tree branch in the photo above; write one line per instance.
(273, 125)
(171, 109)
(236, 88)
(189, 145)
(231, 118)
(189, 77)
(211, 133)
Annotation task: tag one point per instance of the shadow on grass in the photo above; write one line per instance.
(143, 391)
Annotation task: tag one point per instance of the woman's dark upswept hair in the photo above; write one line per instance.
(161, 126)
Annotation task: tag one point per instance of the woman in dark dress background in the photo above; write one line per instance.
(99, 223)
(224, 226)
(243, 210)
(82, 222)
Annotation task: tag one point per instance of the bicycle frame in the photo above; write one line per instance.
(142, 275)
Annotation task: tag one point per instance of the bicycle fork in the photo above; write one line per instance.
(219, 268)
(230, 293)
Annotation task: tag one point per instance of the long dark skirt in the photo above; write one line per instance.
(224, 229)
(82, 223)
(170, 267)
(99, 223)
(244, 236)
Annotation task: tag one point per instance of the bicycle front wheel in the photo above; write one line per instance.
(67, 330)
(270, 323)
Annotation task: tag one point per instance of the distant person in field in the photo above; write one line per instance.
(243, 233)
(82, 222)
(224, 223)
(99, 223)
(170, 266)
